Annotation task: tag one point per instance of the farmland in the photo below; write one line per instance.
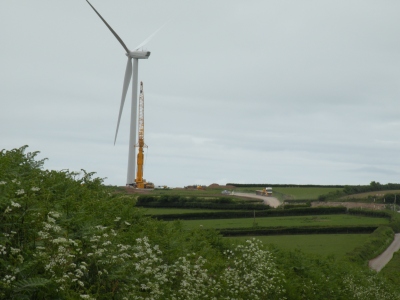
(336, 245)
(68, 236)
(298, 193)
(325, 220)
(166, 211)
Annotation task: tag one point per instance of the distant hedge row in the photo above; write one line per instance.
(208, 205)
(283, 185)
(250, 214)
(176, 201)
(393, 216)
(372, 187)
(297, 230)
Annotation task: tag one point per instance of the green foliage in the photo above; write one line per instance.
(262, 231)
(336, 245)
(377, 242)
(392, 271)
(394, 217)
(177, 201)
(314, 277)
(64, 235)
(303, 211)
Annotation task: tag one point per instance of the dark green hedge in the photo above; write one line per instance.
(250, 214)
(176, 201)
(208, 205)
(392, 215)
(297, 230)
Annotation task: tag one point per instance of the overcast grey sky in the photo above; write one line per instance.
(235, 91)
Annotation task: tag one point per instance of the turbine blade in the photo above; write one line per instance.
(127, 80)
(151, 36)
(109, 27)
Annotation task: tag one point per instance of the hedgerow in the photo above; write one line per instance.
(377, 242)
(175, 201)
(250, 214)
(64, 235)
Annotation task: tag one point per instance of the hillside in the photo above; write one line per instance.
(67, 236)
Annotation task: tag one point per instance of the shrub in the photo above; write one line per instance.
(377, 242)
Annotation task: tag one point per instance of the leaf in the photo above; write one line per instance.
(31, 284)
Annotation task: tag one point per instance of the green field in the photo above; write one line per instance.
(169, 211)
(392, 270)
(370, 194)
(323, 220)
(293, 193)
(300, 193)
(323, 244)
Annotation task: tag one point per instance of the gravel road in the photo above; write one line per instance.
(271, 201)
(379, 262)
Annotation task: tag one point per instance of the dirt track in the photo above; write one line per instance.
(379, 262)
(271, 201)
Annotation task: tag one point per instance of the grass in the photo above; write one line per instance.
(190, 192)
(301, 193)
(322, 244)
(293, 193)
(323, 220)
(392, 270)
(370, 194)
(168, 211)
(282, 193)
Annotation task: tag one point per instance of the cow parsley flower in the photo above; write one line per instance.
(20, 192)
(15, 204)
(35, 189)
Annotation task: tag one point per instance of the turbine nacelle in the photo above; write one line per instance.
(138, 54)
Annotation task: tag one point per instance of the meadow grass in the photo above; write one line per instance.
(169, 211)
(292, 193)
(292, 221)
(303, 193)
(392, 270)
(369, 194)
(210, 192)
(322, 244)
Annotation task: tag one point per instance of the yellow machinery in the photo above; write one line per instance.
(140, 182)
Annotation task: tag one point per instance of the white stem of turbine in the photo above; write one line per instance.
(132, 136)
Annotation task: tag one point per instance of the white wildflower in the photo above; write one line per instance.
(16, 181)
(15, 204)
(14, 250)
(54, 214)
(117, 219)
(127, 223)
(20, 192)
(2, 182)
(35, 189)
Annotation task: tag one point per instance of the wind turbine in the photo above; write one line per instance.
(136, 54)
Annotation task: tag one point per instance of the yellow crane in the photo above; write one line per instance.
(140, 182)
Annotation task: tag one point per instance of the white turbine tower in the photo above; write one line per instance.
(136, 54)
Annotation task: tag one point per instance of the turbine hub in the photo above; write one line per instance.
(138, 54)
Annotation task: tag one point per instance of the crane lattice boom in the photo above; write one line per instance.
(140, 182)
